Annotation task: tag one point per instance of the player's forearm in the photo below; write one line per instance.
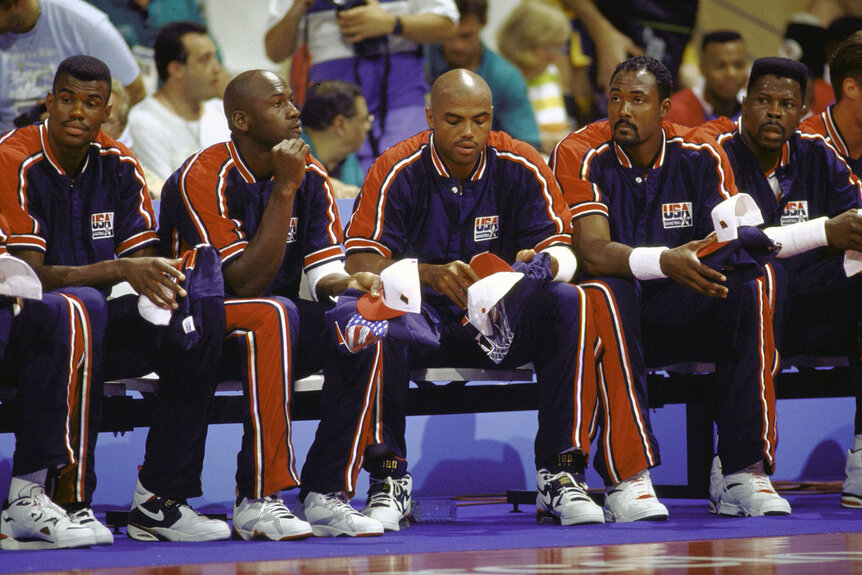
(280, 41)
(604, 259)
(367, 262)
(251, 274)
(99, 275)
(597, 254)
(427, 28)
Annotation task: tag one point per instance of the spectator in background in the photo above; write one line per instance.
(617, 29)
(371, 43)
(335, 122)
(139, 21)
(722, 63)
(118, 120)
(839, 123)
(533, 37)
(185, 115)
(512, 111)
(36, 35)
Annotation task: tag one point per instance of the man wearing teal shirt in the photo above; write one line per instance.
(335, 124)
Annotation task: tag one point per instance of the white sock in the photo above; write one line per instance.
(857, 442)
(28, 485)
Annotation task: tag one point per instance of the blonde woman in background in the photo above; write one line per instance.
(533, 38)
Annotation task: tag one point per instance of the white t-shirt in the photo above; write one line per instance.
(163, 140)
(29, 61)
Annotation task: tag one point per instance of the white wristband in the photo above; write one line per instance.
(644, 263)
(799, 237)
(566, 262)
(315, 275)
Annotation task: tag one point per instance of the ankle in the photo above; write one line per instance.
(573, 462)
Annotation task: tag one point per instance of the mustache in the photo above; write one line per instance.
(74, 124)
(624, 122)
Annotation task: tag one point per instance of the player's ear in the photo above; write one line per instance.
(664, 107)
(239, 120)
(429, 118)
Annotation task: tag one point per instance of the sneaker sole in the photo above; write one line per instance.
(326, 531)
(851, 501)
(9, 543)
(611, 518)
(387, 524)
(141, 533)
(244, 535)
(733, 510)
(547, 517)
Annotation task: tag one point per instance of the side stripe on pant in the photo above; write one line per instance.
(263, 323)
(369, 428)
(78, 386)
(615, 370)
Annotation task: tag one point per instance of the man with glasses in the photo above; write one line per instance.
(335, 122)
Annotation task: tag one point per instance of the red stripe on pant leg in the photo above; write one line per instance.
(368, 426)
(269, 383)
(584, 386)
(71, 487)
(627, 447)
(768, 356)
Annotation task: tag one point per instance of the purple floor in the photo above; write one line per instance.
(476, 527)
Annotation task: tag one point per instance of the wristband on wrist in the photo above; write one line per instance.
(799, 237)
(645, 263)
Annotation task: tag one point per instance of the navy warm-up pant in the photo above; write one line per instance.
(666, 323)
(48, 357)
(818, 311)
(271, 343)
(127, 345)
(557, 333)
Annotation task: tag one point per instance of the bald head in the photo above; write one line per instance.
(460, 115)
(247, 88)
(259, 107)
(462, 85)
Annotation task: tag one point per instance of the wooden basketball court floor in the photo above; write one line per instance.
(819, 537)
(833, 554)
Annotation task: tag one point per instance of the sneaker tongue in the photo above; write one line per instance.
(565, 480)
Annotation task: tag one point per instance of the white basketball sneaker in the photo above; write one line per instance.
(267, 519)
(634, 499)
(851, 489)
(389, 500)
(331, 515)
(36, 522)
(562, 497)
(749, 493)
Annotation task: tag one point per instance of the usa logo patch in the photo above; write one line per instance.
(794, 212)
(678, 215)
(102, 225)
(486, 228)
(291, 235)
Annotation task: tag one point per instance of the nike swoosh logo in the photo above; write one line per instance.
(160, 516)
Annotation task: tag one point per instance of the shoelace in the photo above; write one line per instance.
(49, 509)
(276, 506)
(340, 500)
(388, 492)
(571, 489)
